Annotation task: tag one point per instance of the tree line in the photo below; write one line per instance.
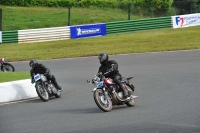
(140, 7)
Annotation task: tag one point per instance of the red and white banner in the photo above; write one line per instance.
(186, 20)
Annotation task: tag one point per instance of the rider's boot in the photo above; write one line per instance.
(59, 88)
(125, 93)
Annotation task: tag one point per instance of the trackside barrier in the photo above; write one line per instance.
(89, 30)
(10, 36)
(43, 34)
(17, 90)
(138, 25)
(61, 33)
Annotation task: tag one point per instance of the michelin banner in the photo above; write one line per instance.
(90, 30)
(186, 20)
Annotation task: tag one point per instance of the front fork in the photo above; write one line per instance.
(43, 87)
(104, 92)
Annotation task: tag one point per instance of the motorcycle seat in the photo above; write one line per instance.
(125, 80)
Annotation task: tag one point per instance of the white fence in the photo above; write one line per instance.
(43, 34)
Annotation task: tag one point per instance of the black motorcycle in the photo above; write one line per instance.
(5, 66)
(45, 88)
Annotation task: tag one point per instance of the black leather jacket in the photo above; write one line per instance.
(109, 69)
(41, 69)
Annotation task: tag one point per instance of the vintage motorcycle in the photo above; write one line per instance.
(107, 94)
(45, 88)
(6, 67)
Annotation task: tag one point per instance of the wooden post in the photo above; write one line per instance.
(129, 11)
(191, 6)
(69, 16)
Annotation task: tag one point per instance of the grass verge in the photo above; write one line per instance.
(135, 42)
(13, 76)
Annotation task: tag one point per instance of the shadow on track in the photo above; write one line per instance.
(80, 111)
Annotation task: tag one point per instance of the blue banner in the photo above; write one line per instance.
(90, 30)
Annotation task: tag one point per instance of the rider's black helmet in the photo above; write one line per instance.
(33, 63)
(103, 58)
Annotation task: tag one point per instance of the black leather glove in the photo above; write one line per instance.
(92, 81)
(45, 74)
(99, 74)
(106, 74)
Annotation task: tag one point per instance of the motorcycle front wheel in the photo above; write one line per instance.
(7, 67)
(103, 101)
(42, 93)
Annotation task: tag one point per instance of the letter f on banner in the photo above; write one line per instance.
(179, 20)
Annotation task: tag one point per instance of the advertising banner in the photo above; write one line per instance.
(186, 20)
(90, 30)
(0, 25)
(0, 36)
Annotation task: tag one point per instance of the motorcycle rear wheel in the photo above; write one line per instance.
(132, 101)
(103, 101)
(7, 67)
(57, 93)
(42, 93)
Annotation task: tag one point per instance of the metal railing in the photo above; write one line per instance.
(138, 25)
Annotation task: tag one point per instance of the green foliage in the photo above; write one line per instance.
(140, 5)
(186, 6)
(16, 18)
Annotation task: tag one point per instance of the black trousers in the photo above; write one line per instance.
(52, 78)
(117, 79)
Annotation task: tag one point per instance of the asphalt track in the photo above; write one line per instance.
(167, 84)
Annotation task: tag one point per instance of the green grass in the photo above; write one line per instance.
(135, 42)
(13, 76)
(20, 18)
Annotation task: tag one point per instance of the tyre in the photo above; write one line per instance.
(42, 93)
(7, 67)
(58, 94)
(132, 101)
(103, 101)
(55, 91)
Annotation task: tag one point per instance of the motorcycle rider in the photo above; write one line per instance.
(109, 68)
(41, 69)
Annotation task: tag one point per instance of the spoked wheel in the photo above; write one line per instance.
(58, 94)
(42, 93)
(7, 67)
(132, 101)
(103, 101)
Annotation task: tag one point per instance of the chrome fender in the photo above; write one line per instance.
(94, 89)
(98, 88)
